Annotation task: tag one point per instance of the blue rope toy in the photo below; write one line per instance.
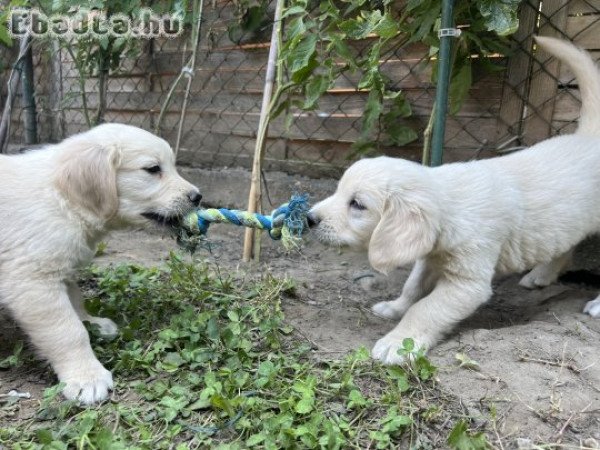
(286, 223)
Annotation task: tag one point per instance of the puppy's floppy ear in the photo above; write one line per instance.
(87, 176)
(407, 231)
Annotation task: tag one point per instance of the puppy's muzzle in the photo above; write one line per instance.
(194, 197)
(312, 219)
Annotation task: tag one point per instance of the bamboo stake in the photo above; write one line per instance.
(254, 198)
(13, 85)
(426, 158)
(197, 14)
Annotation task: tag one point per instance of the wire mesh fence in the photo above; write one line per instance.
(529, 99)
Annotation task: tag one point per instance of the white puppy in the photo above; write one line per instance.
(462, 223)
(55, 205)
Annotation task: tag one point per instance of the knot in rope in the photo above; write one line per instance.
(286, 223)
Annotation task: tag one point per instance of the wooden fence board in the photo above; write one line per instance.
(516, 86)
(543, 89)
(584, 31)
(223, 109)
(584, 7)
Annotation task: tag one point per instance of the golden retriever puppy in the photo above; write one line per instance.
(56, 204)
(462, 223)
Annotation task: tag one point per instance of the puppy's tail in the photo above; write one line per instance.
(588, 77)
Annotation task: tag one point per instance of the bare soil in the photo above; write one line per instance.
(538, 355)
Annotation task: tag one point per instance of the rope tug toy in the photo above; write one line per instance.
(286, 223)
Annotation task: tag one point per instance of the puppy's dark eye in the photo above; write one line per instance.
(355, 204)
(152, 169)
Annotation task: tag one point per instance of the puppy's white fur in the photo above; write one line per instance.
(55, 206)
(464, 222)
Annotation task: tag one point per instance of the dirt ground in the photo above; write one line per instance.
(538, 355)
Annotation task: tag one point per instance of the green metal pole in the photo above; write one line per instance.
(441, 94)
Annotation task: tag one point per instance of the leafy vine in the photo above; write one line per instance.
(321, 38)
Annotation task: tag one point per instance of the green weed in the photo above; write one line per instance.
(203, 361)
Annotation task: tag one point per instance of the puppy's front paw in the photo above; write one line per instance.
(593, 308)
(538, 279)
(387, 310)
(390, 310)
(106, 327)
(386, 349)
(88, 385)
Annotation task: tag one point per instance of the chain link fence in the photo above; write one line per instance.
(531, 98)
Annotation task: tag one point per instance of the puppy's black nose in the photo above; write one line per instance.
(195, 197)
(312, 220)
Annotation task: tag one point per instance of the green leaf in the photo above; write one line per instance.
(356, 399)
(303, 54)
(302, 74)
(294, 10)
(199, 404)
(400, 106)
(461, 439)
(408, 344)
(172, 361)
(212, 329)
(315, 88)
(281, 107)
(361, 354)
(368, 23)
(14, 359)
(44, 436)
(342, 49)
(373, 110)
(400, 376)
(424, 367)
(173, 406)
(104, 440)
(399, 134)
(501, 16)
(253, 19)
(295, 30)
(266, 368)
(220, 402)
(52, 392)
(424, 26)
(387, 27)
(394, 423)
(4, 36)
(305, 405)
(255, 439)
(459, 86)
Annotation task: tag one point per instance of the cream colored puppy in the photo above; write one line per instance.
(462, 223)
(56, 204)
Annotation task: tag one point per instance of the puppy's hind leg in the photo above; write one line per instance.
(420, 283)
(106, 327)
(544, 275)
(44, 312)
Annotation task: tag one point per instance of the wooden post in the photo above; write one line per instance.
(254, 198)
(544, 80)
(518, 70)
(57, 129)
